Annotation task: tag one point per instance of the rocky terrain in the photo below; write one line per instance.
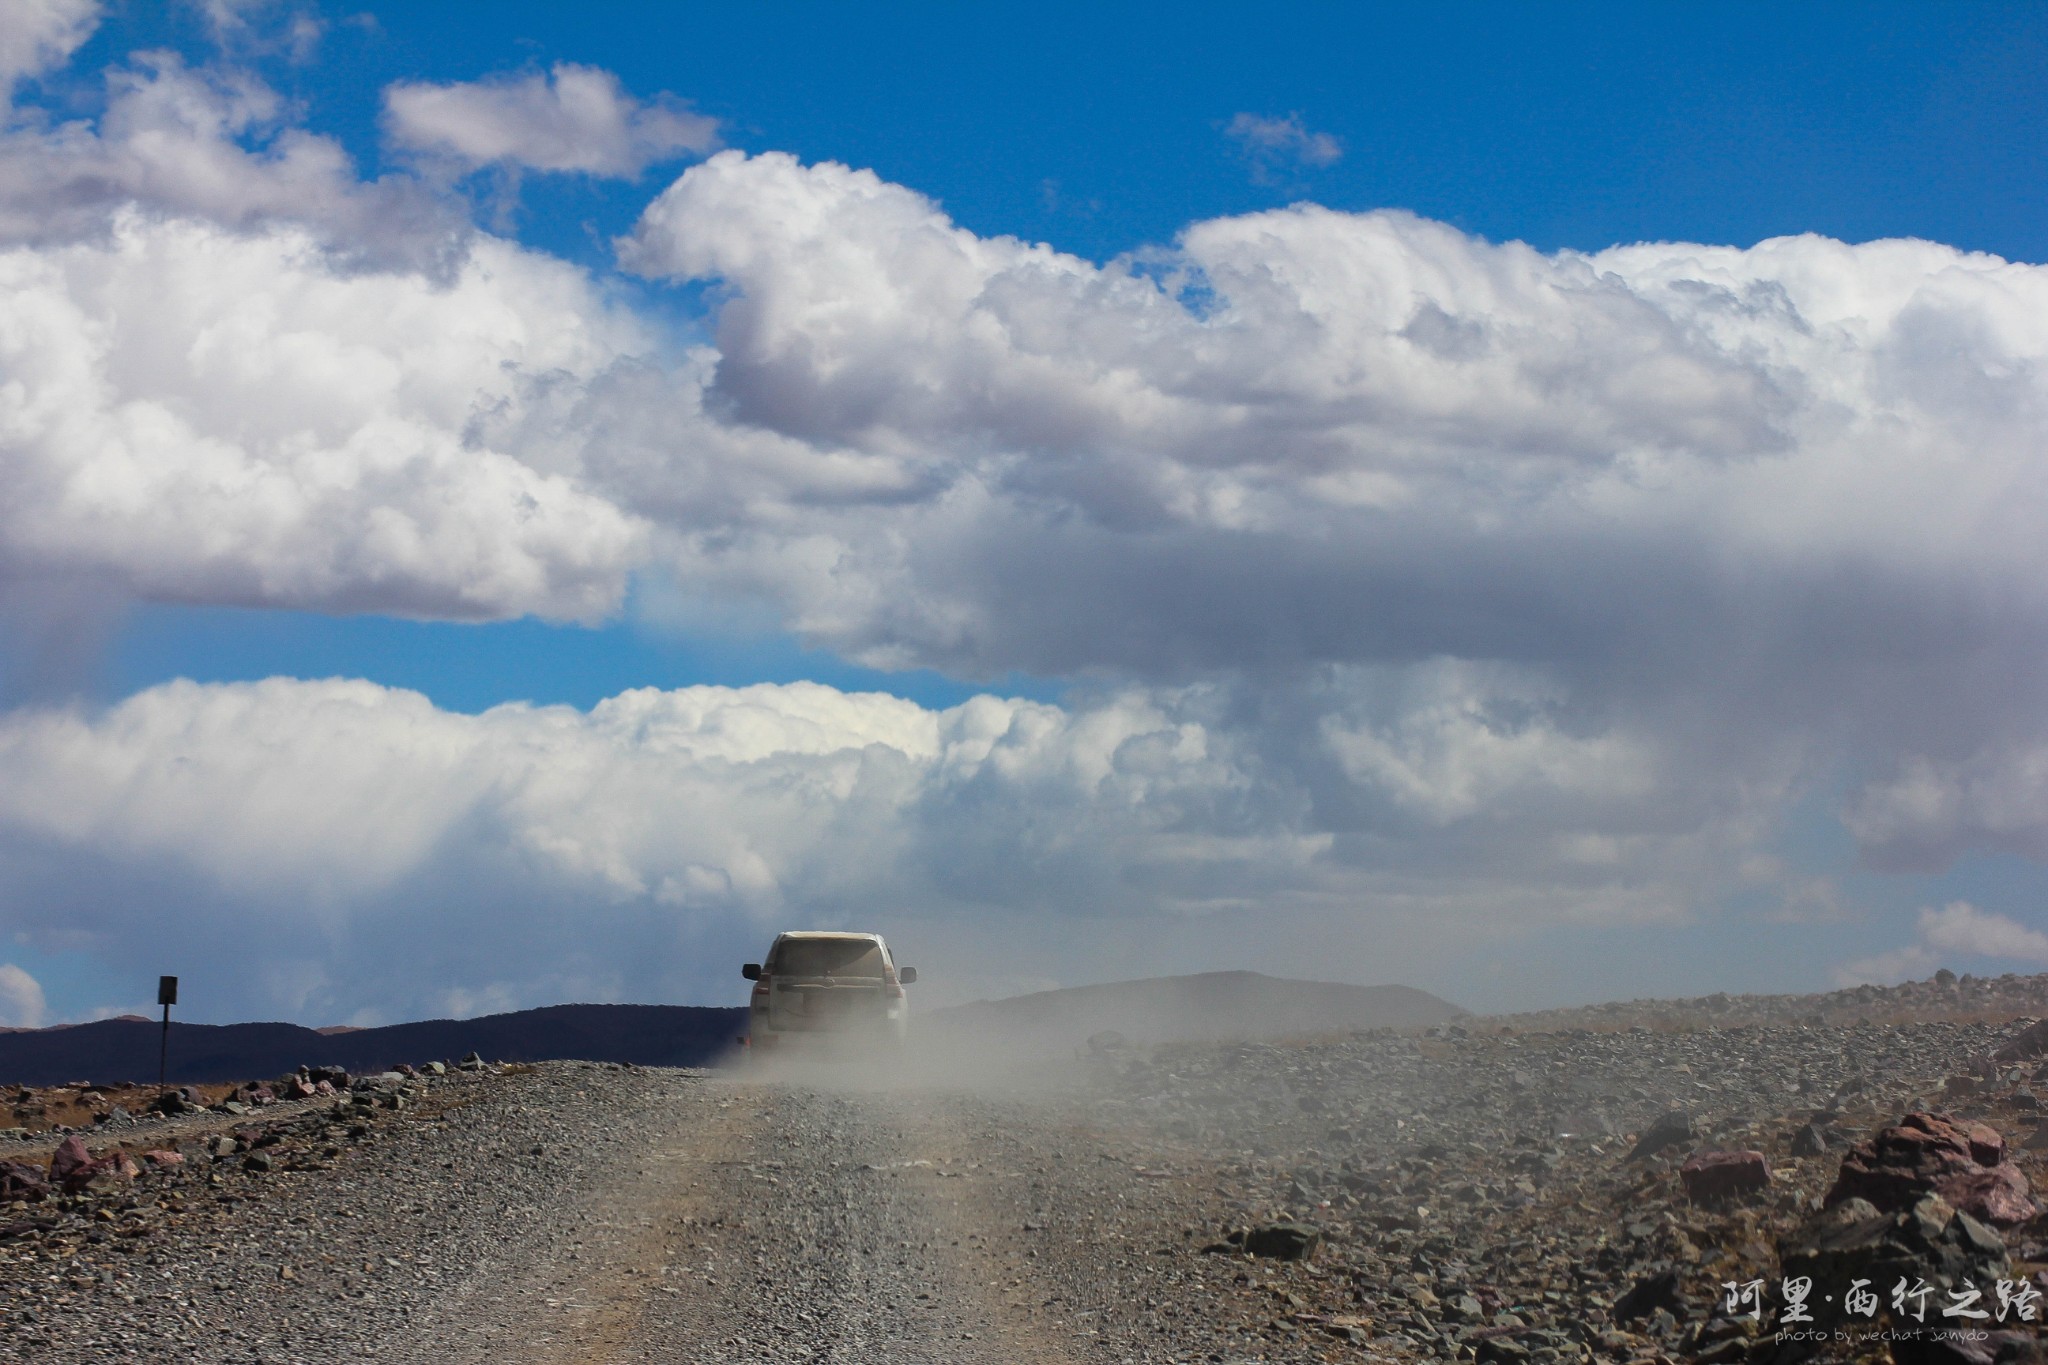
(1589, 1185)
(1944, 996)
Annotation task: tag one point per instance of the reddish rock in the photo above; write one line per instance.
(1710, 1176)
(159, 1157)
(69, 1160)
(323, 1087)
(1933, 1153)
(1998, 1195)
(73, 1168)
(18, 1181)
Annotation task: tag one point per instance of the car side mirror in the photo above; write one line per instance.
(906, 976)
(752, 971)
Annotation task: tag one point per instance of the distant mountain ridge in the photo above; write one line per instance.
(1208, 1006)
(126, 1049)
(119, 1018)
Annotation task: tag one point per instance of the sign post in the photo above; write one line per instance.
(167, 996)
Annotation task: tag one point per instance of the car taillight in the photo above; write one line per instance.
(761, 986)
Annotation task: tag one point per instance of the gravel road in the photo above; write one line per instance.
(1477, 1194)
(578, 1213)
(753, 1221)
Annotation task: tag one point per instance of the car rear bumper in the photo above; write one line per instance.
(773, 1032)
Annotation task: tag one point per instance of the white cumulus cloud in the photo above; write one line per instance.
(1449, 742)
(214, 144)
(1271, 144)
(1928, 811)
(641, 847)
(318, 825)
(572, 118)
(1306, 435)
(1958, 927)
(214, 416)
(21, 998)
(36, 35)
(1962, 928)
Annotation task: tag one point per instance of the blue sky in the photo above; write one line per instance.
(1558, 125)
(1669, 635)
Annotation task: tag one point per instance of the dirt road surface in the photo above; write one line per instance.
(773, 1222)
(575, 1214)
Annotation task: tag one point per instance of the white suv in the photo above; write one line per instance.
(822, 986)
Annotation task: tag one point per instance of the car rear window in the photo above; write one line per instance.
(827, 957)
